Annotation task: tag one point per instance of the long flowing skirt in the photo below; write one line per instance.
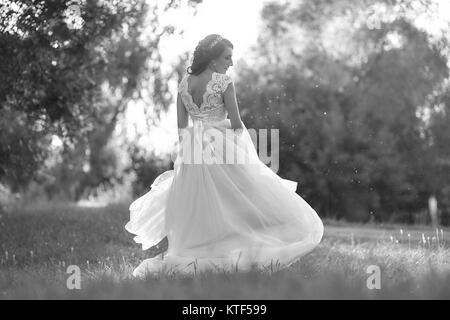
(219, 214)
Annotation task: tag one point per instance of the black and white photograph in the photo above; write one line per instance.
(224, 154)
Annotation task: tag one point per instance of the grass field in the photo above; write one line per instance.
(37, 244)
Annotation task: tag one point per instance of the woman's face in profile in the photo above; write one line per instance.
(225, 60)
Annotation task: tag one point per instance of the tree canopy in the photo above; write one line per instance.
(345, 83)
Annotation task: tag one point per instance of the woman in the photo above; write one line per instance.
(221, 208)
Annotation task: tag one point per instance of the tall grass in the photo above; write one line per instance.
(38, 244)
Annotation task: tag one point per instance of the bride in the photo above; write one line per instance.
(220, 208)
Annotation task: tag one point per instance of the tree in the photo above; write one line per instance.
(69, 69)
(344, 83)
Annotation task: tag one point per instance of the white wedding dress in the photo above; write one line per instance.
(217, 215)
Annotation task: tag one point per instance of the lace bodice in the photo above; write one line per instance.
(212, 107)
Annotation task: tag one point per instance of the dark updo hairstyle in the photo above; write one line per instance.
(204, 53)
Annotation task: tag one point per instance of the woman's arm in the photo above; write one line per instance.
(182, 116)
(229, 97)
